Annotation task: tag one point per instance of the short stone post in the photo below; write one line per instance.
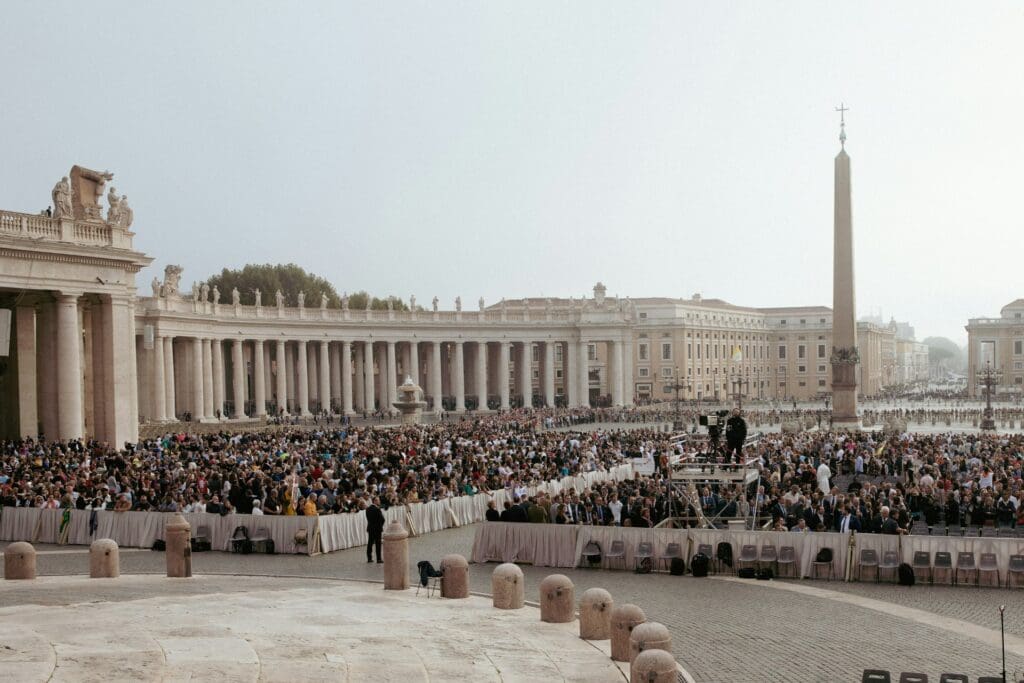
(455, 580)
(507, 586)
(649, 635)
(20, 561)
(653, 666)
(396, 557)
(104, 559)
(596, 614)
(179, 551)
(624, 619)
(557, 599)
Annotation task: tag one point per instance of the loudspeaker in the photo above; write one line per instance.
(5, 331)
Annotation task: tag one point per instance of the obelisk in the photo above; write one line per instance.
(844, 325)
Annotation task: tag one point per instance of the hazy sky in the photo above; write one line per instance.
(532, 148)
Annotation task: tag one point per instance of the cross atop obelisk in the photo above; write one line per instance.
(842, 109)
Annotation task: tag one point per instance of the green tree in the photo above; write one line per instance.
(290, 279)
(358, 301)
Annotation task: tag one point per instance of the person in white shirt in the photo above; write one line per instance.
(257, 508)
(615, 505)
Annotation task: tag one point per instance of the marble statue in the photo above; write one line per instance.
(62, 199)
(114, 210)
(235, 297)
(279, 298)
(481, 302)
(412, 302)
(204, 292)
(369, 301)
(172, 277)
(458, 303)
(391, 304)
(156, 287)
(195, 291)
(126, 214)
(323, 302)
(344, 301)
(302, 299)
(259, 297)
(216, 295)
(435, 304)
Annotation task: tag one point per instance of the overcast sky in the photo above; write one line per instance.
(531, 149)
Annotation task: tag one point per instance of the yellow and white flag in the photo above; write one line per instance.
(737, 354)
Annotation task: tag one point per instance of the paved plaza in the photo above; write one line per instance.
(723, 629)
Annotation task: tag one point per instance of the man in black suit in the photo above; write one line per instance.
(735, 434)
(374, 529)
(848, 521)
(889, 525)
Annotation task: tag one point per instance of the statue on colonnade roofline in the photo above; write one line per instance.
(62, 199)
(235, 297)
(204, 292)
(323, 301)
(114, 210)
(412, 302)
(216, 295)
(195, 291)
(279, 298)
(172, 276)
(344, 301)
(391, 304)
(259, 297)
(156, 286)
(435, 304)
(481, 302)
(302, 299)
(458, 303)
(126, 215)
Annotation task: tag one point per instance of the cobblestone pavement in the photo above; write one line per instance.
(722, 630)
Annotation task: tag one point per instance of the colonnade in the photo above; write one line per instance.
(213, 378)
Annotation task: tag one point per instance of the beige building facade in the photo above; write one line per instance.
(998, 344)
(90, 356)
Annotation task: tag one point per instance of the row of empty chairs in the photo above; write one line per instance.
(987, 564)
(644, 550)
(882, 676)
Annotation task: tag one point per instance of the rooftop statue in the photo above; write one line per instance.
(62, 199)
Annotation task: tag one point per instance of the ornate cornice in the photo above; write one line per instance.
(52, 257)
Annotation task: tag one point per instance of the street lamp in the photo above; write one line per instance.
(739, 382)
(989, 378)
(677, 386)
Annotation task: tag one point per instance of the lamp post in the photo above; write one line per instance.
(989, 378)
(677, 386)
(739, 381)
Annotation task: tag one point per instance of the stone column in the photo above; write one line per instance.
(312, 366)
(69, 368)
(370, 400)
(549, 374)
(217, 351)
(325, 376)
(583, 374)
(844, 325)
(616, 372)
(281, 379)
(159, 390)
(302, 388)
(504, 351)
(481, 375)
(259, 379)
(119, 390)
(628, 382)
(238, 378)
(46, 363)
(28, 416)
(435, 376)
(170, 405)
(99, 358)
(570, 375)
(460, 378)
(392, 386)
(414, 362)
(526, 374)
(208, 402)
(290, 379)
(346, 378)
(335, 352)
(197, 379)
(358, 377)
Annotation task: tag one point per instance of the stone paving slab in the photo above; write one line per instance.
(266, 629)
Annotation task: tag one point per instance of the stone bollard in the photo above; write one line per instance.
(179, 550)
(455, 582)
(20, 561)
(507, 586)
(624, 619)
(596, 614)
(649, 635)
(396, 557)
(104, 559)
(557, 599)
(653, 666)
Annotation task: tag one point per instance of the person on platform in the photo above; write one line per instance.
(735, 435)
(374, 530)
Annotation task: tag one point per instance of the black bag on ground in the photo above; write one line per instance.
(677, 567)
(644, 566)
(725, 553)
(200, 545)
(699, 565)
(427, 572)
(746, 573)
(159, 545)
(765, 574)
(240, 542)
(824, 555)
(906, 574)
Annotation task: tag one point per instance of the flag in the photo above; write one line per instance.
(737, 354)
(65, 526)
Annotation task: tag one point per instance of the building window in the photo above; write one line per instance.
(821, 382)
(558, 374)
(666, 350)
(803, 384)
(591, 351)
(535, 352)
(801, 368)
(643, 351)
(643, 315)
(1018, 347)
(782, 352)
(698, 351)
(801, 351)
(558, 353)
(821, 368)
(666, 372)
(821, 350)
(645, 372)
(803, 321)
(1018, 380)
(689, 350)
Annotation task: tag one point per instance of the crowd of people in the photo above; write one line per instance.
(812, 480)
